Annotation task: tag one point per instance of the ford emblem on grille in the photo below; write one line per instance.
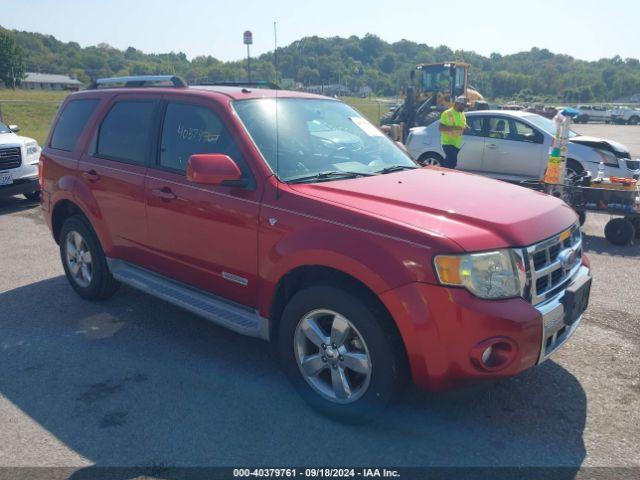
(567, 258)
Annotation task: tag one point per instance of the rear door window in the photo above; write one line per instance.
(190, 129)
(71, 123)
(125, 134)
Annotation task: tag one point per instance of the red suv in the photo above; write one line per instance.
(291, 218)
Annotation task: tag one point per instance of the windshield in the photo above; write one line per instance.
(316, 137)
(4, 128)
(546, 124)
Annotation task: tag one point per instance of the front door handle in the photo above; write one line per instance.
(91, 175)
(492, 146)
(164, 193)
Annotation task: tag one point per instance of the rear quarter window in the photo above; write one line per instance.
(71, 123)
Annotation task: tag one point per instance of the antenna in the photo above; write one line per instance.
(275, 61)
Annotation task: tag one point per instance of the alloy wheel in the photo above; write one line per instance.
(332, 356)
(79, 261)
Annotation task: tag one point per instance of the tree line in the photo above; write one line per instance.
(355, 62)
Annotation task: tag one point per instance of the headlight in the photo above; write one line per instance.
(490, 275)
(32, 148)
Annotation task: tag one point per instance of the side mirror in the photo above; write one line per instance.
(14, 128)
(212, 169)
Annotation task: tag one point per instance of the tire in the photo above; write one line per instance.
(635, 221)
(582, 216)
(634, 120)
(430, 158)
(33, 196)
(369, 346)
(573, 168)
(583, 119)
(619, 231)
(92, 279)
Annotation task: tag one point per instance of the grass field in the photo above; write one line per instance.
(32, 111)
(369, 107)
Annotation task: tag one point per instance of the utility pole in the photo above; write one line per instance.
(248, 40)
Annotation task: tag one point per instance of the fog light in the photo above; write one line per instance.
(494, 354)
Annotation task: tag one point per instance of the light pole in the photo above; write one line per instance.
(248, 40)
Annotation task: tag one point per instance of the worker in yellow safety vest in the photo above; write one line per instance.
(452, 125)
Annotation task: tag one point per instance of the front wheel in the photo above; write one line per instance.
(33, 196)
(336, 353)
(84, 261)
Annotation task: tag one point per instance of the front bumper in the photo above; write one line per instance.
(20, 186)
(554, 331)
(442, 328)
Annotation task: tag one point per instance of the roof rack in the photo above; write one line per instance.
(231, 83)
(140, 81)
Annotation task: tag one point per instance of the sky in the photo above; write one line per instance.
(586, 29)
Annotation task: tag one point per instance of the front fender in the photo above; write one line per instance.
(378, 262)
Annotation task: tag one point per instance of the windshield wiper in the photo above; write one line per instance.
(329, 175)
(395, 168)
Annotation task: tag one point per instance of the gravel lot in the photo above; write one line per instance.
(135, 381)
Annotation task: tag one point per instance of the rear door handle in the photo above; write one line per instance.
(164, 193)
(91, 175)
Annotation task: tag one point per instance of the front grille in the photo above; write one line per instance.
(633, 164)
(549, 272)
(10, 158)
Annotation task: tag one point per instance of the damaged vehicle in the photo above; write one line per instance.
(514, 146)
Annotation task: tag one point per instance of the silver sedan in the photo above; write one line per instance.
(514, 145)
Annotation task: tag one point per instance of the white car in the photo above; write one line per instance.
(593, 113)
(628, 115)
(19, 158)
(514, 146)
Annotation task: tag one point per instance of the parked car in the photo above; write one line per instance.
(18, 164)
(545, 111)
(626, 115)
(360, 266)
(593, 113)
(515, 146)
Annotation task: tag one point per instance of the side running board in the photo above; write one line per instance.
(233, 316)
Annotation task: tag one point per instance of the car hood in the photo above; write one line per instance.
(600, 143)
(13, 139)
(475, 212)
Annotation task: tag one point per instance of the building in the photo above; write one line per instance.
(49, 81)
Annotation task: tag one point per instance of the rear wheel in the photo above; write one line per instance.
(430, 158)
(84, 261)
(634, 120)
(619, 231)
(336, 353)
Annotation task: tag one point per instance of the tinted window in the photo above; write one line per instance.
(475, 126)
(71, 122)
(499, 128)
(4, 128)
(125, 133)
(190, 129)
